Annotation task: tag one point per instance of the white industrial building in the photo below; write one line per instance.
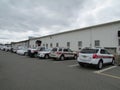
(103, 35)
(24, 43)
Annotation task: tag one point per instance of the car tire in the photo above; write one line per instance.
(35, 55)
(46, 56)
(113, 62)
(25, 54)
(100, 65)
(62, 58)
(75, 57)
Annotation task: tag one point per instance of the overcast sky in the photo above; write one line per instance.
(20, 19)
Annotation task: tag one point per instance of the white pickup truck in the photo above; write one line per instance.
(34, 52)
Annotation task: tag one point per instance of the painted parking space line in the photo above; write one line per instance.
(106, 69)
(109, 75)
(101, 72)
(74, 65)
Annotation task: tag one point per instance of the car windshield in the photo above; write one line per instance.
(42, 49)
(47, 49)
(54, 49)
(91, 51)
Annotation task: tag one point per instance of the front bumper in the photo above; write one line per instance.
(41, 55)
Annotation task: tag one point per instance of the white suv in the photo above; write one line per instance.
(96, 57)
(62, 53)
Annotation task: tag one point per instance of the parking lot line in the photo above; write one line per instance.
(103, 70)
(109, 75)
(74, 65)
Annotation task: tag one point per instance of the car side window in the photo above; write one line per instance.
(102, 51)
(42, 49)
(69, 50)
(65, 50)
(54, 49)
(60, 49)
(107, 52)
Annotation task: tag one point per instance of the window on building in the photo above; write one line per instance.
(79, 44)
(36, 45)
(51, 45)
(97, 43)
(33, 46)
(68, 44)
(46, 45)
(119, 42)
(57, 44)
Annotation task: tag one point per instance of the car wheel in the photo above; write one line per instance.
(25, 54)
(62, 58)
(35, 55)
(75, 57)
(46, 56)
(100, 65)
(113, 62)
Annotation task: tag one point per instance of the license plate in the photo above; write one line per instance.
(84, 56)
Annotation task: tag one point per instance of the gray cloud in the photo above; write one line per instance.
(31, 14)
(22, 18)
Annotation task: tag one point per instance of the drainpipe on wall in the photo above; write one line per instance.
(90, 37)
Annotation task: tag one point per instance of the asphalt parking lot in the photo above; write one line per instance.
(24, 73)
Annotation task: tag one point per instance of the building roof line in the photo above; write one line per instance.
(88, 27)
(19, 42)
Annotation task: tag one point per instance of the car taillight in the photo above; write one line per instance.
(95, 56)
(58, 52)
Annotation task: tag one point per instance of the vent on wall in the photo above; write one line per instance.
(118, 33)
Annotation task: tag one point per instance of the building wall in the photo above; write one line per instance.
(17, 44)
(32, 43)
(106, 34)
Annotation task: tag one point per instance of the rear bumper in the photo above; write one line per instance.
(93, 61)
(87, 63)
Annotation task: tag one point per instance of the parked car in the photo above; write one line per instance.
(95, 56)
(8, 48)
(62, 53)
(22, 51)
(44, 54)
(14, 49)
(3, 48)
(34, 52)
